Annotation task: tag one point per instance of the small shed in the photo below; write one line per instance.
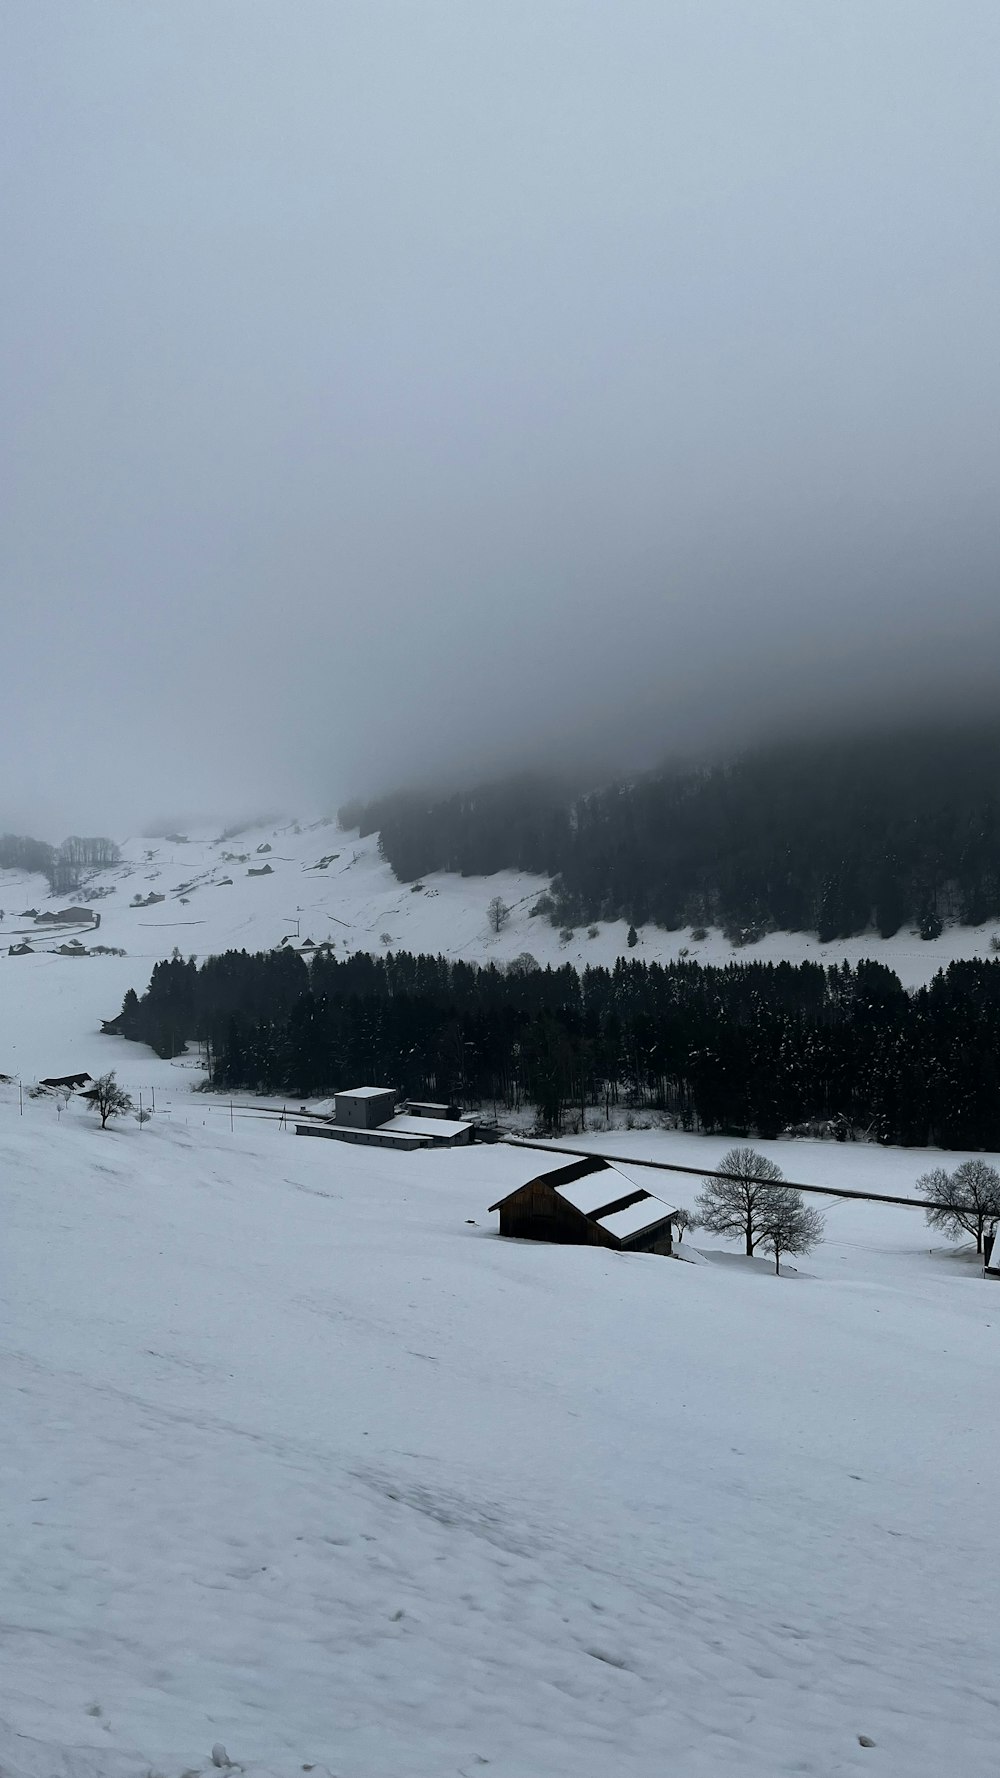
(588, 1202)
(991, 1254)
(364, 1108)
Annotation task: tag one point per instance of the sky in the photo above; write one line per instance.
(397, 391)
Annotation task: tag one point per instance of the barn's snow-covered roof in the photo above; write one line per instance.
(608, 1186)
(636, 1177)
(643, 1214)
(595, 1189)
(598, 1189)
(605, 1185)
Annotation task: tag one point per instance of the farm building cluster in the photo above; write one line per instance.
(584, 1202)
(374, 1117)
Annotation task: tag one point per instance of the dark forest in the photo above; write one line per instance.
(748, 1048)
(830, 836)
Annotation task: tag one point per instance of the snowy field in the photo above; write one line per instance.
(323, 885)
(301, 1459)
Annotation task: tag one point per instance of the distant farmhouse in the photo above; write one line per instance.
(588, 1203)
(369, 1115)
(69, 917)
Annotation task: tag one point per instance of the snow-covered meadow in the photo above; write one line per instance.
(300, 1459)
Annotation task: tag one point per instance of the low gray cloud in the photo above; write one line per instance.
(400, 391)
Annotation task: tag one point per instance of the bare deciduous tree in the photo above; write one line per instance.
(791, 1226)
(96, 853)
(108, 1098)
(523, 964)
(498, 913)
(964, 1202)
(739, 1202)
(683, 1220)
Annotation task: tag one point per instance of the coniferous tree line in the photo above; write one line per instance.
(749, 1048)
(832, 836)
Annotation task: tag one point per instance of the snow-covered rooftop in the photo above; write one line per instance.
(366, 1093)
(425, 1126)
(634, 1177)
(642, 1215)
(593, 1190)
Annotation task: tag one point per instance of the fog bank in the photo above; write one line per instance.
(401, 392)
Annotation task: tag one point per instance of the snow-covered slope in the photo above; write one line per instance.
(299, 1458)
(322, 884)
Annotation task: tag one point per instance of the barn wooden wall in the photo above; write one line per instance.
(537, 1213)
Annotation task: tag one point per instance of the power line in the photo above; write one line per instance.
(826, 1191)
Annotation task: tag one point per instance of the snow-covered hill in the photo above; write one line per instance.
(299, 1458)
(319, 884)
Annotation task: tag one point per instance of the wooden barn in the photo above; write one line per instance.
(588, 1203)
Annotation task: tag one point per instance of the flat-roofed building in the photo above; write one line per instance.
(364, 1108)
